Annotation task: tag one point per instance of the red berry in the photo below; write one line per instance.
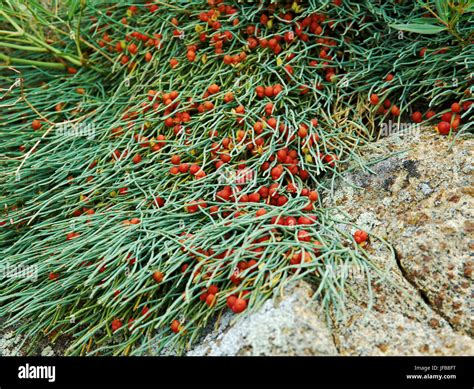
(158, 276)
(231, 301)
(313, 196)
(36, 124)
(159, 202)
(203, 296)
(281, 155)
(175, 159)
(228, 97)
(191, 55)
(302, 131)
(183, 168)
(175, 326)
(443, 128)
(269, 91)
(254, 197)
(374, 99)
(417, 117)
(132, 48)
(290, 221)
(239, 305)
(302, 220)
(213, 89)
(210, 299)
(116, 324)
(137, 159)
(174, 62)
(272, 122)
(277, 89)
(276, 172)
(446, 117)
(395, 110)
(360, 236)
(124, 60)
(466, 105)
(72, 235)
(455, 122)
(303, 236)
(456, 108)
(193, 169)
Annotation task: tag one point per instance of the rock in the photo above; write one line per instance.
(47, 352)
(394, 319)
(10, 344)
(393, 333)
(14, 344)
(418, 201)
(289, 325)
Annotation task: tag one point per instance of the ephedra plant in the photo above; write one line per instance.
(163, 162)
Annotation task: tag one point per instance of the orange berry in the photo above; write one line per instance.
(158, 276)
(417, 117)
(443, 128)
(395, 110)
(213, 89)
(175, 326)
(174, 62)
(456, 108)
(137, 159)
(313, 195)
(36, 124)
(228, 97)
(239, 305)
(360, 236)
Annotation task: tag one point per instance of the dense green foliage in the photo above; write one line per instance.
(93, 113)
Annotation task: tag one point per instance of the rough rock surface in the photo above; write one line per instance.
(13, 344)
(421, 201)
(289, 325)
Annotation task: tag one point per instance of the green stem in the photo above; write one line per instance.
(40, 42)
(26, 48)
(55, 51)
(21, 61)
(13, 33)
